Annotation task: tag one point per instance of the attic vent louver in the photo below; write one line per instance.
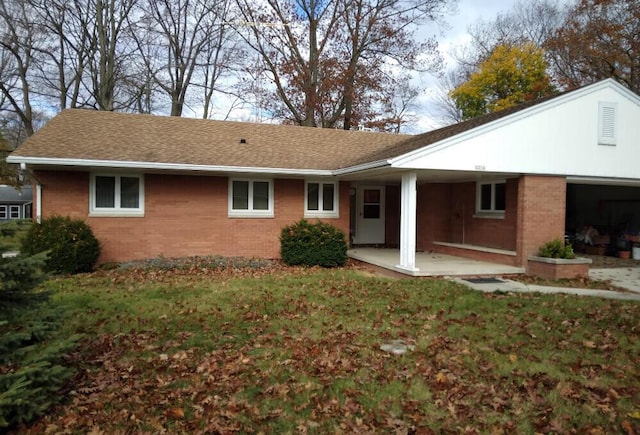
(607, 123)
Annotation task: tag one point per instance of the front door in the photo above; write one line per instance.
(370, 215)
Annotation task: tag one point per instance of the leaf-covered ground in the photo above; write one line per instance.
(267, 349)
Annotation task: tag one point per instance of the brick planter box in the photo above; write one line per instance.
(558, 268)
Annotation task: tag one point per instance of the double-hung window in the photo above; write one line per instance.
(250, 198)
(3, 212)
(14, 212)
(117, 195)
(491, 198)
(321, 199)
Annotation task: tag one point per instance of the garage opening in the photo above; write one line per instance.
(603, 219)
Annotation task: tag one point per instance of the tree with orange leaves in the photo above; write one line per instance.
(600, 39)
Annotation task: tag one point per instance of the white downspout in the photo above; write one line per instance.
(38, 203)
(408, 210)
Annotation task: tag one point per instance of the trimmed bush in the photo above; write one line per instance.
(557, 249)
(319, 244)
(70, 242)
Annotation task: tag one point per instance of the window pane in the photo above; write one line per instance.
(371, 211)
(129, 192)
(261, 195)
(500, 196)
(240, 195)
(327, 197)
(485, 197)
(105, 192)
(312, 196)
(372, 196)
(3, 212)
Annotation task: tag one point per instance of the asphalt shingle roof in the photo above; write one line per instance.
(98, 135)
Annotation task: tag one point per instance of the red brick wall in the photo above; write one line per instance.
(557, 271)
(541, 213)
(392, 216)
(446, 214)
(184, 215)
(434, 215)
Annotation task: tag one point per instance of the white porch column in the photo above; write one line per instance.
(38, 209)
(408, 209)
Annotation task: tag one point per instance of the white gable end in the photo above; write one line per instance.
(591, 132)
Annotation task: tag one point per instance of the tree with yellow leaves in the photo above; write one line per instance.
(511, 75)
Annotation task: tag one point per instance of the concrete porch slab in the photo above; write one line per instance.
(431, 264)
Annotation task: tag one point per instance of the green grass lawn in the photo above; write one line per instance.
(288, 350)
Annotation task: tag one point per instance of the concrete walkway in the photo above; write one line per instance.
(460, 269)
(507, 285)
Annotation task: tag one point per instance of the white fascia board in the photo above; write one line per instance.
(363, 167)
(116, 164)
(403, 160)
(604, 181)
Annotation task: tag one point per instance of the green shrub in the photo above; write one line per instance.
(557, 249)
(70, 242)
(32, 350)
(319, 244)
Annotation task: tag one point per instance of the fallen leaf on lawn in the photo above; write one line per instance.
(95, 430)
(513, 357)
(628, 427)
(589, 344)
(175, 413)
(441, 378)
(635, 415)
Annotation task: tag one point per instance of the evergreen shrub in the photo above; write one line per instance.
(70, 242)
(32, 353)
(557, 249)
(318, 244)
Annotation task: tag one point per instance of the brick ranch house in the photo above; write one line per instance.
(492, 188)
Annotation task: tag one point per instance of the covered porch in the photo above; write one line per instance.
(437, 224)
(431, 263)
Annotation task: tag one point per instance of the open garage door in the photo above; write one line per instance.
(612, 211)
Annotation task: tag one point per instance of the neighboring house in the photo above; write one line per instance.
(15, 203)
(494, 188)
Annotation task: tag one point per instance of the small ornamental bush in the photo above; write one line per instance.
(70, 242)
(557, 249)
(319, 244)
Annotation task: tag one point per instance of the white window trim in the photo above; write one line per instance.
(612, 137)
(493, 213)
(116, 211)
(13, 208)
(250, 213)
(5, 212)
(320, 213)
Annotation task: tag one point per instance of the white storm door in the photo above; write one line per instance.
(370, 217)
